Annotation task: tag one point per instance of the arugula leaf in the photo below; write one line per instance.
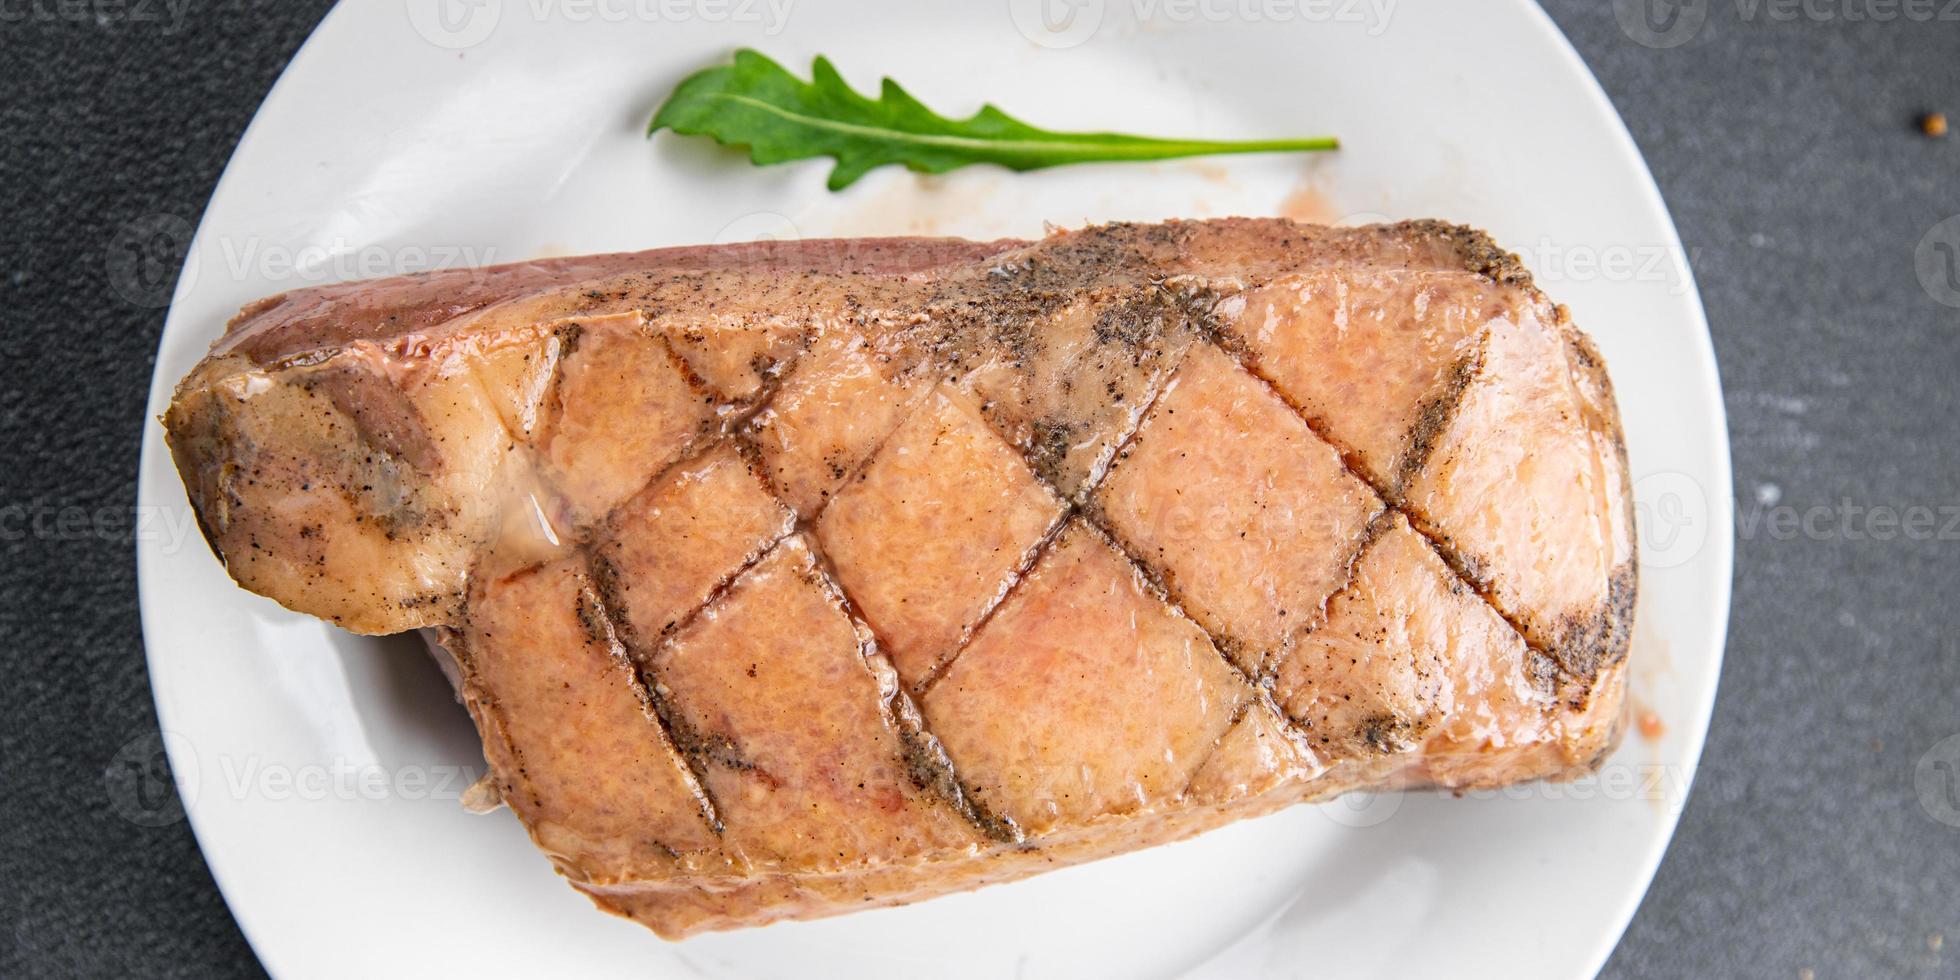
(757, 104)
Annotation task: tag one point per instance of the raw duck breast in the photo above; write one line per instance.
(789, 579)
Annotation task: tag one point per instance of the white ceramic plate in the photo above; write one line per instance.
(320, 770)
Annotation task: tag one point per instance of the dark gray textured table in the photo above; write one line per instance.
(1782, 137)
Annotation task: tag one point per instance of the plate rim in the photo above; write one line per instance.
(1721, 532)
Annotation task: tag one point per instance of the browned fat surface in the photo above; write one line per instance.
(1011, 709)
(772, 689)
(1225, 484)
(933, 530)
(791, 579)
(549, 683)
